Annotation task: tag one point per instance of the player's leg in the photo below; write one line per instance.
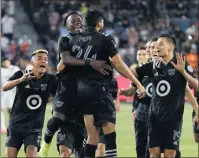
(101, 147)
(155, 136)
(59, 116)
(141, 135)
(107, 116)
(14, 140)
(93, 136)
(65, 140)
(32, 144)
(195, 128)
(171, 134)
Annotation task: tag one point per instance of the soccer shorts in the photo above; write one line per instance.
(64, 101)
(16, 139)
(71, 136)
(103, 109)
(164, 134)
(195, 125)
(7, 99)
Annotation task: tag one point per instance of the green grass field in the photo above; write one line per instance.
(125, 135)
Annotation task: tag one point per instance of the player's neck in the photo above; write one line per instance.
(167, 59)
(37, 74)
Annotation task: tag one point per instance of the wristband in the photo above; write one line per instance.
(87, 62)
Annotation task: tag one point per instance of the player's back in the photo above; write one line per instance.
(93, 45)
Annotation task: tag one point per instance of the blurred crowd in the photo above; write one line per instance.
(130, 22)
(15, 49)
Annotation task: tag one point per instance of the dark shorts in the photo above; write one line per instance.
(71, 136)
(64, 101)
(102, 109)
(195, 125)
(165, 135)
(16, 139)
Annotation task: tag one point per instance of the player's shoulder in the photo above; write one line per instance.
(107, 36)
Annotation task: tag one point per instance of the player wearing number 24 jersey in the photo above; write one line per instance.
(33, 89)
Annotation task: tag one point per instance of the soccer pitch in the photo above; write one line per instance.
(125, 135)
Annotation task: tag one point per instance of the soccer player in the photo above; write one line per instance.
(7, 98)
(167, 105)
(93, 87)
(141, 107)
(27, 115)
(64, 101)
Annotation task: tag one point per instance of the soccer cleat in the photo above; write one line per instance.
(43, 152)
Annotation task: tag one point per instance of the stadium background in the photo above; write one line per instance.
(37, 24)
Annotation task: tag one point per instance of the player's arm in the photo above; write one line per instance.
(191, 99)
(185, 70)
(128, 91)
(17, 79)
(117, 103)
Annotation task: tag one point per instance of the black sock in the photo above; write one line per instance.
(178, 154)
(89, 150)
(52, 126)
(111, 147)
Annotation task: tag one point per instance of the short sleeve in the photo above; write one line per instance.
(111, 45)
(145, 70)
(189, 69)
(63, 44)
(16, 75)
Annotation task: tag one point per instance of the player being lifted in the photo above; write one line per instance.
(93, 87)
(27, 115)
(63, 110)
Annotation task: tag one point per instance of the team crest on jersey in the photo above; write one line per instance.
(43, 87)
(171, 72)
(59, 104)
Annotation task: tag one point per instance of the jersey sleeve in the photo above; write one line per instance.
(189, 69)
(145, 70)
(16, 75)
(111, 45)
(63, 44)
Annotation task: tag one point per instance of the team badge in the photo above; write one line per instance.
(43, 87)
(59, 103)
(171, 72)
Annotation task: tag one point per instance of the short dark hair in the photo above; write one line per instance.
(93, 16)
(71, 13)
(152, 39)
(141, 48)
(171, 39)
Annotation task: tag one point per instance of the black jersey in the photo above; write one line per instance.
(30, 102)
(168, 91)
(68, 75)
(93, 45)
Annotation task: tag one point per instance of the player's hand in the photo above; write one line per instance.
(126, 92)
(133, 115)
(180, 66)
(141, 91)
(27, 76)
(100, 66)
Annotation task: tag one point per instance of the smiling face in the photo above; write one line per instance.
(148, 49)
(75, 23)
(40, 62)
(142, 56)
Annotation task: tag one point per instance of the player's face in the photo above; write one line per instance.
(75, 23)
(142, 56)
(148, 49)
(40, 62)
(100, 25)
(6, 63)
(163, 47)
(154, 49)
